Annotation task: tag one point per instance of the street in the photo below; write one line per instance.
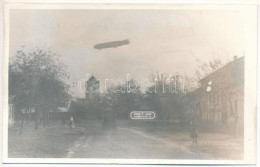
(127, 143)
(91, 140)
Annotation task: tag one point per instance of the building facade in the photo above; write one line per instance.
(220, 98)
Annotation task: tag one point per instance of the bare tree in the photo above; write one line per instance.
(205, 68)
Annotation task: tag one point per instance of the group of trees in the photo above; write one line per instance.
(156, 97)
(37, 84)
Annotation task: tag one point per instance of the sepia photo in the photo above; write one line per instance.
(128, 83)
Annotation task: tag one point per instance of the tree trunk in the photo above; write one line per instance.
(36, 119)
(21, 128)
(48, 118)
(213, 122)
(44, 119)
(40, 117)
(28, 116)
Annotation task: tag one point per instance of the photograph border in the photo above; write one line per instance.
(249, 11)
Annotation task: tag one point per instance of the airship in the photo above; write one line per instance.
(113, 44)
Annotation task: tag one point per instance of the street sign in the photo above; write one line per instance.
(142, 115)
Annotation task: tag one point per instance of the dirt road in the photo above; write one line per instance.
(128, 143)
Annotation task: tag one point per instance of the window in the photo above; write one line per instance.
(211, 100)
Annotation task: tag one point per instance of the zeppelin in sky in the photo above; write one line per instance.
(112, 44)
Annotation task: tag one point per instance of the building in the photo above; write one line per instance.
(92, 87)
(220, 100)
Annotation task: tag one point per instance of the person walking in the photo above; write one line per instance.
(194, 135)
(71, 122)
(194, 131)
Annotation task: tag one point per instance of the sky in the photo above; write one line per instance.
(161, 41)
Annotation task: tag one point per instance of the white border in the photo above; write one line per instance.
(250, 12)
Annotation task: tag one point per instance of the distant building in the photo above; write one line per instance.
(220, 99)
(92, 86)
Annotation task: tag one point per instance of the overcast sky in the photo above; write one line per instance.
(164, 41)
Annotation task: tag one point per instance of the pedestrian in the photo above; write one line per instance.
(194, 135)
(71, 122)
(194, 131)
